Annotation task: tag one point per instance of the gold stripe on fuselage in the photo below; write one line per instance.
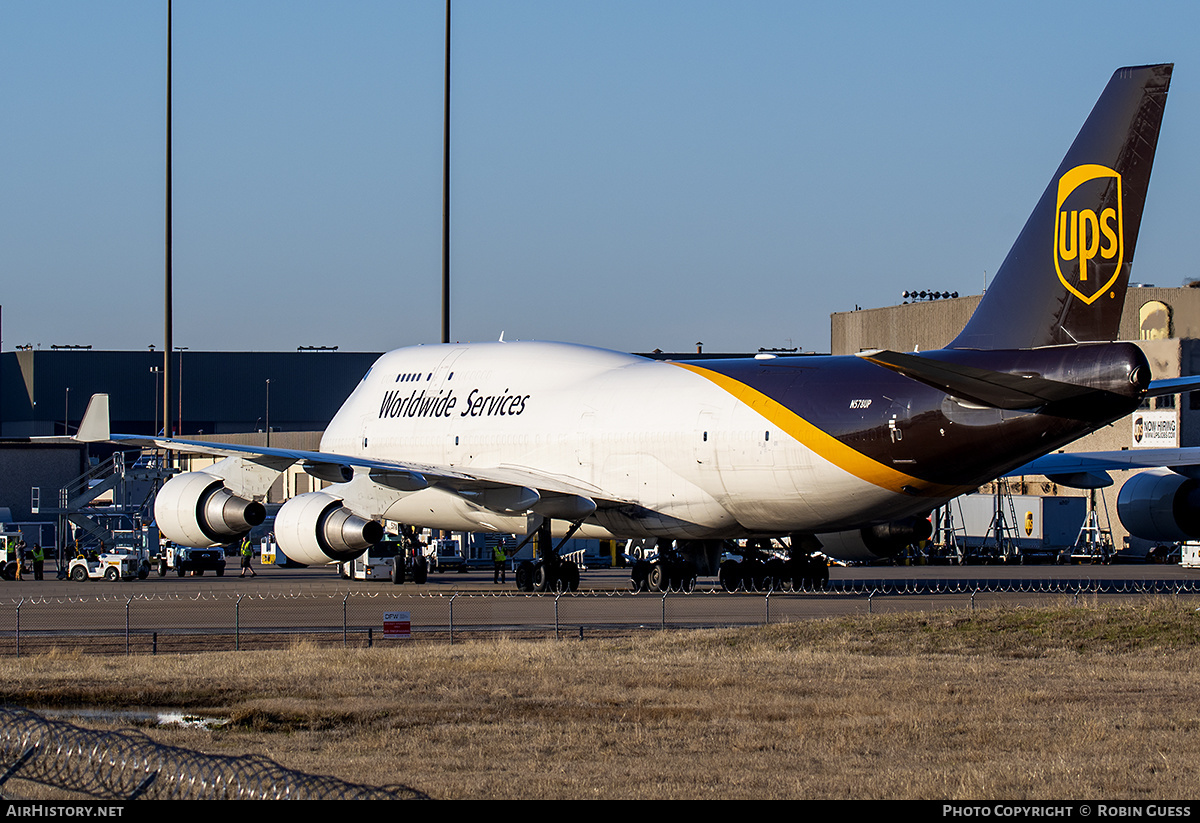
(824, 444)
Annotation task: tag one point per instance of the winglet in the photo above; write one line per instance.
(94, 426)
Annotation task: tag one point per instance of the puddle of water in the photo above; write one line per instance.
(156, 717)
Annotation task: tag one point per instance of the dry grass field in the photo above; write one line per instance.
(1077, 702)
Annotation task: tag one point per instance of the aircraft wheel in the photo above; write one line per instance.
(524, 576)
(79, 574)
(541, 577)
(162, 569)
(656, 579)
(179, 570)
(637, 577)
(821, 577)
(730, 575)
(397, 571)
(573, 577)
(776, 574)
(420, 572)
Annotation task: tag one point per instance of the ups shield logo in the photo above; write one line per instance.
(1089, 236)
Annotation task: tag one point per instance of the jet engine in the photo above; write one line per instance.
(1160, 505)
(195, 509)
(873, 542)
(317, 528)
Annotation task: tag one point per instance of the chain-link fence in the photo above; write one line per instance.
(160, 624)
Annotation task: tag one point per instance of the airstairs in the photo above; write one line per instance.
(114, 493)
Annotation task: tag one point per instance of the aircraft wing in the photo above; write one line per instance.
(398, 474)
(1090, 469)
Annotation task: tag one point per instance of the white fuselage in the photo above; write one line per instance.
(690, 458)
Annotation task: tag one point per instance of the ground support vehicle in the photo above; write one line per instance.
(376, 563)
(443, 555)
(138, 544)
(184, 559)
(409, 555)
(106, 566)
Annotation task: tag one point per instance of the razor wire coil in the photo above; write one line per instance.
(128, 765)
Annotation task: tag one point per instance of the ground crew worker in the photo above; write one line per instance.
(10, 559)
(247, 553)
(498, 560)
(39, 558)
(20, 557)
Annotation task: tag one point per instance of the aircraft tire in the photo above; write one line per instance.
(637, 576)
(656, 578)
(730, 575)
(571, 576)
(777, 574)
(541, 578)
(397, 571)
(420, 572)
(524, 575)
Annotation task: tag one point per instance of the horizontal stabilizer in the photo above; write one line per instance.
(1001, 390)
(1173, 385)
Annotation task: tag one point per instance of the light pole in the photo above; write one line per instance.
(179, 380)
(268, 412)
(67, 414)
(156, 371)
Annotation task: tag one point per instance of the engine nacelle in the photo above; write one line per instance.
(1160, 505)
(874, 542)
(195, 509)
(316, 528)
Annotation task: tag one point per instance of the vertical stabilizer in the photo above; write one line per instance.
(1064, 279)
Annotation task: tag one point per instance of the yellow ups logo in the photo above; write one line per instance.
(1089, 247)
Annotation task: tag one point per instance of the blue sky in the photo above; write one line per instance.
(633, 175)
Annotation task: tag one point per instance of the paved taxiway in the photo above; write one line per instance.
(283, 601)
(273, 580)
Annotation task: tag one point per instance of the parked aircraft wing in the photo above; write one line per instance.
(1185, 461)
(411, 476)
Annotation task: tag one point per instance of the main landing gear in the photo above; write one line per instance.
(549, 573)
(672, 570)
(762, 568)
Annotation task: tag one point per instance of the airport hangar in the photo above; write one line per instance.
(1164, 322)
(226, 395)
